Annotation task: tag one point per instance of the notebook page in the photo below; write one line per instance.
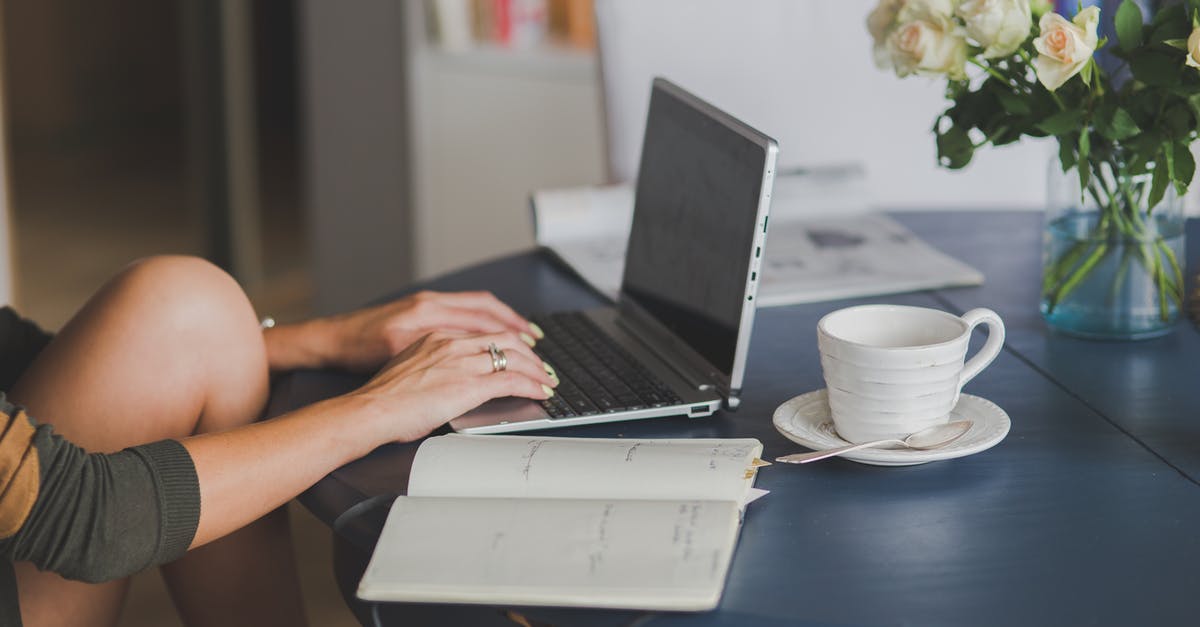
(593, 553)
(528, 466)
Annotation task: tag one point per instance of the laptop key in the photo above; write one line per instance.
(596, 375)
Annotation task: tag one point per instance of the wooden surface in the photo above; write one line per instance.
(1085, 514)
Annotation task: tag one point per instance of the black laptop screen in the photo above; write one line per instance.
(693, 226)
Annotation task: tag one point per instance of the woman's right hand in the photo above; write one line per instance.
(443, 375)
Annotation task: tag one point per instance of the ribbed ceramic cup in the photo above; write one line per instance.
(892, 370)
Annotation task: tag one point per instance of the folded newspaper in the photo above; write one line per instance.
(823, 243)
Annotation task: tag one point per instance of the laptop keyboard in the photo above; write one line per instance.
(596, 376)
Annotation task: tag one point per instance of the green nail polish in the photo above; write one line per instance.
(537, 331)
(549, 369)
(525, 337)
(547, 390)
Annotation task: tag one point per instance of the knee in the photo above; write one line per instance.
(186, 292)
(200, 311)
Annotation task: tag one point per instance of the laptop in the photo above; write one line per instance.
(676, 341)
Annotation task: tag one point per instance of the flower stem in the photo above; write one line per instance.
(1080, 273)
(990, 70)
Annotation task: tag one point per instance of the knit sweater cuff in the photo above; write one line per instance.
(178, 494)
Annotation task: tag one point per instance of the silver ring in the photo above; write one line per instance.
(499, 359)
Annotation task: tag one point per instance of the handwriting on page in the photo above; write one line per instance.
(685, 528)
(596, 556)
(725, 451)
(534, 445)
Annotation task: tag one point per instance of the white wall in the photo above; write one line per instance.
(802, 71)
(488, 128)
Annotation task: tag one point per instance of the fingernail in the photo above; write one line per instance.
(527, 339)
(537, 331)
(547, 390)
(554, 378)
(549, 369)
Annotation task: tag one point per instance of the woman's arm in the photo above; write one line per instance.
(96, 517)
(247, 472)
(91, 517)
(363, 340)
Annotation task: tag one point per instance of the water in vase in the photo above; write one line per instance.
(1128, 293)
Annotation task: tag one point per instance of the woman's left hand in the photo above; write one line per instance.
(363, 340)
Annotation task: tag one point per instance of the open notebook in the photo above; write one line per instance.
(614, 523)
(823, 243)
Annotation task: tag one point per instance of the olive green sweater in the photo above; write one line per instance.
(86, 516)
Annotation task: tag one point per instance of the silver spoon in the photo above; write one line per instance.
(925, 439)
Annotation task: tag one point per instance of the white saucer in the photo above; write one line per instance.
(805, 420)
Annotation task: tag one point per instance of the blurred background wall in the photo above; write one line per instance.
(101, 144)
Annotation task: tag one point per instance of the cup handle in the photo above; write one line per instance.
(990, 349)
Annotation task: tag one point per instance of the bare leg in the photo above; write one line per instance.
(167, 349)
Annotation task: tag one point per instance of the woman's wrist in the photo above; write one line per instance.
(309, 344)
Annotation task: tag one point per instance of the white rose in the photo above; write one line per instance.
(928, 10)
(880, 23)
(1193, 48)
(1065, 47)
(928, 47)
(1041, 7)
(1000, 26)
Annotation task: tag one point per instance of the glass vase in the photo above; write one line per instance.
(1111, 263)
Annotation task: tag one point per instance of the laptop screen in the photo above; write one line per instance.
(694, 218)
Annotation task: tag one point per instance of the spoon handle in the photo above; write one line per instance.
(804, 458)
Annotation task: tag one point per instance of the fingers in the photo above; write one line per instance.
(487, 302)
(470, 353)
(471, 320)
(511, 383)
(517, 361)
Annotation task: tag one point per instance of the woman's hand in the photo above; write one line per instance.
(363, 340)
(443, 375)
(439, 376)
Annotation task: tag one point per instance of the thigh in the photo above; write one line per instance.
(168, 348)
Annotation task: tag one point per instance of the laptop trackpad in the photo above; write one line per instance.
(499, 411)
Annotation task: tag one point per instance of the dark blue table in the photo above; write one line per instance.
(1088, 513)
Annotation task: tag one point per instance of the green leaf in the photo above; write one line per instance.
(1185, 167)
(1011, 102)
(1176, 26)
(1066, 153)
(1178, 44)
(954, 148)
(1158, 185)
(1177, 121)
(1168, 153)
(1062, 122)
(1085, 168)
(1129, 25)
(1156, 69)
(1144, 148)
(1173, 13)
(1194, 103)
(1116, 124)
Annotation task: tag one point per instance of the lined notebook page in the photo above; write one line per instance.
(547, 467)
(590, 553)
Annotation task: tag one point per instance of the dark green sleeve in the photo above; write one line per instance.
(99, 517)
(20, 341)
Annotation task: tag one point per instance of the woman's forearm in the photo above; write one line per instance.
(247, 472)
(307, 344)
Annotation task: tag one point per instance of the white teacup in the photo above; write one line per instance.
(892, 370)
